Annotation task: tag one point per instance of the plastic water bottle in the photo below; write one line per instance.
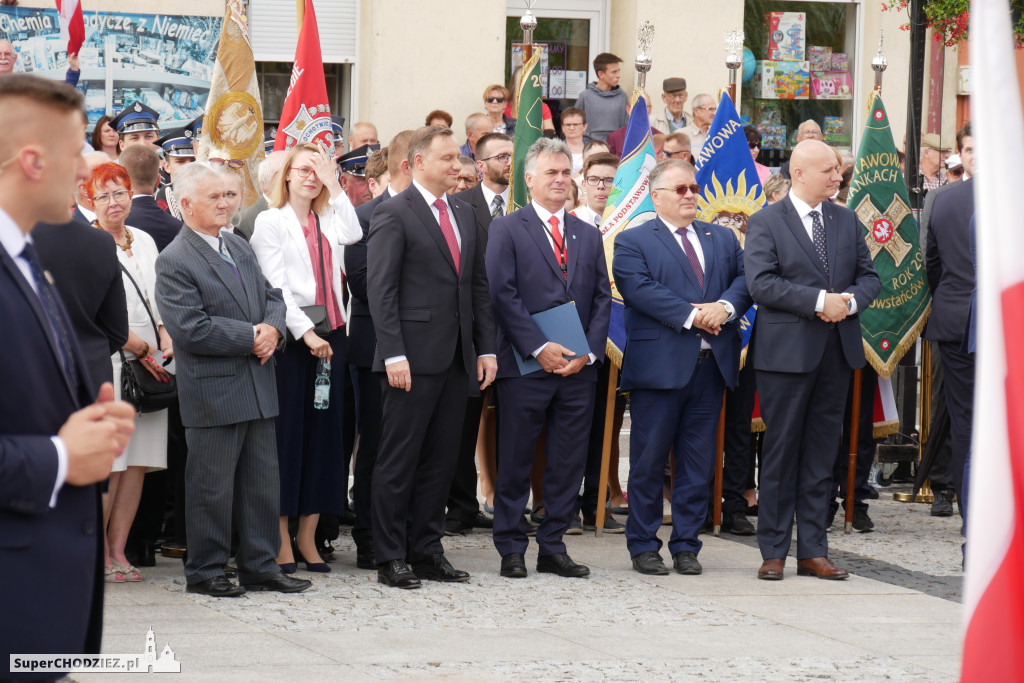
(322, 385)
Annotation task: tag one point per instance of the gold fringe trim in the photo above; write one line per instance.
(884, 429)
(613, 353)
(756, 425)
(886, 369)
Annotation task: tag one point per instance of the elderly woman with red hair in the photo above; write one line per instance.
(110, 193)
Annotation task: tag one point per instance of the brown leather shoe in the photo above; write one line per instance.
(820, 567)
(771, 569)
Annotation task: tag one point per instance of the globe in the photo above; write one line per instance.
(748, 64)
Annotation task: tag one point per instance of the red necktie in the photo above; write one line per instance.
(556, 237)
(448, 231)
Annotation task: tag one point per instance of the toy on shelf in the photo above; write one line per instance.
(782, 80)
(786, 36)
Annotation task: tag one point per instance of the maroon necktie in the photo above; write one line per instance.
(691, 256)
(556, 237)
(448, 231)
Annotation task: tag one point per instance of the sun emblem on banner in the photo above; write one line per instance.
(730, 206)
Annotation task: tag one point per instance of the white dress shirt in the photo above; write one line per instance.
(587, 215)
(804, 210)
(691, 236)
(489, 196)
(13, 241)
(545, 216)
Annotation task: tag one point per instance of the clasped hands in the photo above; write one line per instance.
(710, 317)
(552, 359)
(836, 308)
(265, 343)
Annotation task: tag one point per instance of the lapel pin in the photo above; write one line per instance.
(707, 234)
(574, 236)
(49, 278)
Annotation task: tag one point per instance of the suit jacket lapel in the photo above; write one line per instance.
(571, 245)
(800, 233)
(426, 216)
(37, 308)
(536, 230)
(220, 268)
(666, 235)
(465, 222)
(707, 245)
(483, 212)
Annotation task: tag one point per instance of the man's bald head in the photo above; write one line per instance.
(7, 57)
(814, 168)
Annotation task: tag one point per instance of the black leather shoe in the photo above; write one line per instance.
(173, 549)
(217, 587)
(942, 506)
(364, 556)
(482, 521)
(861, 521)
(649, 562)
(736, 523)
(513, 566)
(453, 527)
(686, 562)
(230, 572)
(397, 574)
(280, 584)
(438, 568)
(529, 528)
(561, 564)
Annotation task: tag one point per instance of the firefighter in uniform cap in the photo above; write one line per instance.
(179, 149)
(136, 123)
(353, 174)
(338, 129)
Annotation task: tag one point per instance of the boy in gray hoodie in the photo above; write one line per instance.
(603, 100)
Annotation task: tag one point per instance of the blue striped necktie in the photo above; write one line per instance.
(58, 323)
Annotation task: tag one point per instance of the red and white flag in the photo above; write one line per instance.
(306, 115)
(72, 26)
(994, 581)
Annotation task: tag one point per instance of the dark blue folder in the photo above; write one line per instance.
(561, 325)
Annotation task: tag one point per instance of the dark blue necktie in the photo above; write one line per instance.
(228, 260)
(818, 234)
(58, 323)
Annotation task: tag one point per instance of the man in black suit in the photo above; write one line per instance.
(427, 290)
(53, 452)
(83, 261)
(143, 166)
(538, 258)
(362, 343)
(809, 269)
(489, 199)
(951, 279)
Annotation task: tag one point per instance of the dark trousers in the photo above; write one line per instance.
(803, 416)
(865, 442)
(526, 405)
(739, 441)
(232, 469)
(940, 475)
(684, 420)
(959, 390)
(463, 506)
(419, 442)
(366, 457)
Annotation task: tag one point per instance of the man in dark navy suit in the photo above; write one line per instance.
(810, 272)
(682, 283)
(538, 258)
(427, 291)
(143, 166)
(362, 343)
(53, 451)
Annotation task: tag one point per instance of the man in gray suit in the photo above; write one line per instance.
(226, 321)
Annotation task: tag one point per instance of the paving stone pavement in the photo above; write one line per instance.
(896, 619)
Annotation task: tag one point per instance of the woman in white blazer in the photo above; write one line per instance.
(307, 203)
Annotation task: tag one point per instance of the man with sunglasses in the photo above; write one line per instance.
(682, 283)
(676, 146)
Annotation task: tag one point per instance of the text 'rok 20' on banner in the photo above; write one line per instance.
(528, 127)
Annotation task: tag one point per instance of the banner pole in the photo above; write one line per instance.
(719, 469)
(851, 465)
(300, 12)
(606, 446)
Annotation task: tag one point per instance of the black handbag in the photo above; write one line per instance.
(317, 313)
(138, 386)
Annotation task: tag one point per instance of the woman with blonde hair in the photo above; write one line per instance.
(298, 244)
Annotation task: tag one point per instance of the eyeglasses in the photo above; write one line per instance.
(503, 158)
(595, 181)
(232, 163)
(707, 108)
(7, 54)
(104, 199)
(303, 171)
(681, 154)
(681, 190)
(493, 100)
(754, 145)
(571, 125)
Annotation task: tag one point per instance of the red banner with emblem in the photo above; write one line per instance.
(306, 115)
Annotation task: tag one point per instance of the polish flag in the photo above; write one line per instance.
(306, 114)
(72, 26)
(994, 581)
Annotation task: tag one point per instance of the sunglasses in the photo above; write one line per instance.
(493, 100)
(754, 145)
(232, 163)
(681, 190)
